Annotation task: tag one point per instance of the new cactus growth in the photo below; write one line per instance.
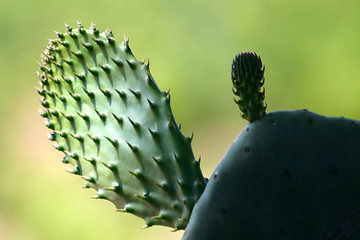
(288, 175)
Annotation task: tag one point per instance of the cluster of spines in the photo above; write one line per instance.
(64, 97)
(247, 74)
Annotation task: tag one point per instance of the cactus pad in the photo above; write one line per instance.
(288, 175)
(116, 128)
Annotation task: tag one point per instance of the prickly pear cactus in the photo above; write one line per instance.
(289, 174)
(115, 127)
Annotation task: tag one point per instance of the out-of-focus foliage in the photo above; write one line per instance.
(310, 49)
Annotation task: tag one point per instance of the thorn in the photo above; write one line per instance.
(78, 54)
(68, 28)
(45, 103)
(98, 41)
(44, 114)
(52, 136)
(62, 134)
(95, 139)
(96, 32)
(106, 68)
(118, 62)
(55, 80)
(75, 96)
(168, 95)
(81, 28)
(75, 155)
(59, 35)
(152, 105)
(126, 40)
(191, 137)
(133, 148)
(120, 120)
(81, 76)
(55, 113)
(91, 160)
(114, 142)
(88, 46)
(62, 98)
(154, 134)
(102, 116)
(52, 94)
(76, 170)
(68, 61)
(67, 80)
(93, 71)
(111, 166)
(69, 117)
(78, 137)
(49, 124)
(157, 160)
(84, 116)
(59, 147)
(91, 94)
(136, 125)
(122, 94)
(137, 94)
(106, 92)
(131, 64)
(89, 179)
(117, 187)
(64, 43)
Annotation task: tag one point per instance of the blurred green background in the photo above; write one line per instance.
(311, 50)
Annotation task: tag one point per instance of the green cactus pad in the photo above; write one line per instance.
(289, 175)
(116, 128)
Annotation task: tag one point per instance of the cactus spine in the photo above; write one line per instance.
(115, 127)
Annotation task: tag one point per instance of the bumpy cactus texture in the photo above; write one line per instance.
(116, 128)
(289, 175)
(247, 74)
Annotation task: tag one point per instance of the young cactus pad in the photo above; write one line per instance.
(116, 128)
(289, 175)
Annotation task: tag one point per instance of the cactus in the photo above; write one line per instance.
(288, 175)
(116, 128)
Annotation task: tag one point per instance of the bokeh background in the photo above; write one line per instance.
(311, 50)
